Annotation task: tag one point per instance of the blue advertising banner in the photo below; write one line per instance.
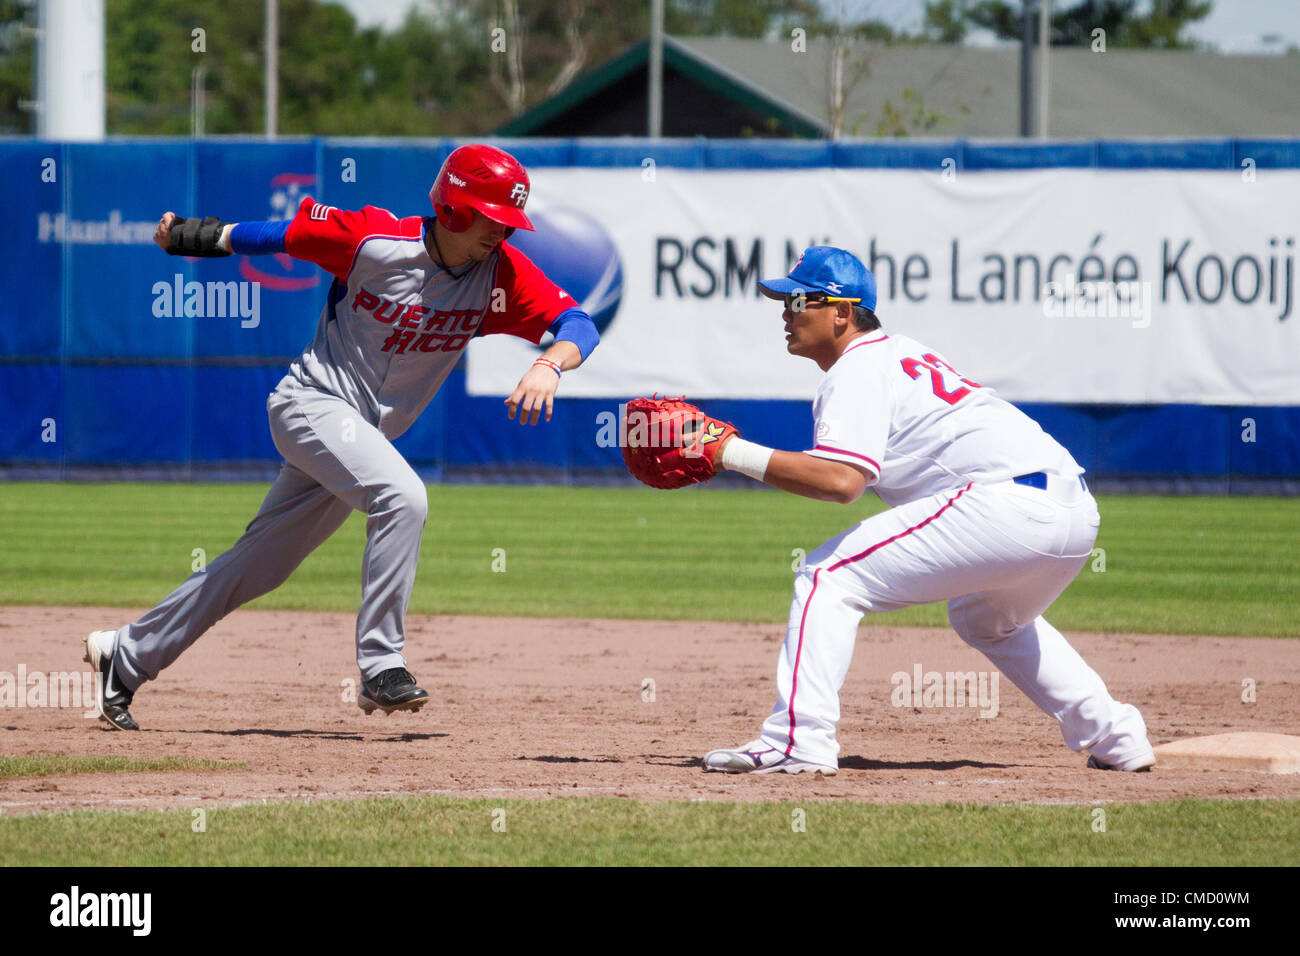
(31, 270)
(116, 356)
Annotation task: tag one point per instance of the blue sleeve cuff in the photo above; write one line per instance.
(574, 325)
(258, 238)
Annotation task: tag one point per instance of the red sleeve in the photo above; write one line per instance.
(331, 237)
(531, 301)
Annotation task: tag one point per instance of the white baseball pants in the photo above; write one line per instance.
(999, 554)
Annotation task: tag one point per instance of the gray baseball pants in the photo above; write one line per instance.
(335, 462)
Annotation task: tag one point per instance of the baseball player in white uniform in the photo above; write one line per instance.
(989, 513)
(408, 294)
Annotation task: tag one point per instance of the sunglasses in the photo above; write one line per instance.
(798, 301)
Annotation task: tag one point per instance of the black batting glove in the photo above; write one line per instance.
(196, 237)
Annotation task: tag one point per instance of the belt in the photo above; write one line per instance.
(1039, 480)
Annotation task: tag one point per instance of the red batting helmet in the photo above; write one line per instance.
(484, 178)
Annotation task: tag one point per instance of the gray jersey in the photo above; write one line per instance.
(396, 322)
(392, 329)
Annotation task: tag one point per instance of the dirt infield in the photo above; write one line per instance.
(526, 707)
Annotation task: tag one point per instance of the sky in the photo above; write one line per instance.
(1233, 26)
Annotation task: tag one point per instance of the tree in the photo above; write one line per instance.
(854, 46)
(423, 79)
(909, 117)
(541, 47)
(946, 21)
(326, 80)
(17, 40)
(737, 18)
(949, 21)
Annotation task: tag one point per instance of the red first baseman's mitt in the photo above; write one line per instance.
(669, 443)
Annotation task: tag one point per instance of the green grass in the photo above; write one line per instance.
(44, 766)
(442, 830)
(1172, 565)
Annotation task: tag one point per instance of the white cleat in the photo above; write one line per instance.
(1132, 765)
(110, 702)
(758, 757)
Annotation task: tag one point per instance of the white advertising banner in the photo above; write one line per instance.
(1052, 285)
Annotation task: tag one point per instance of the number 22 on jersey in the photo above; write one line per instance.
(938, 369)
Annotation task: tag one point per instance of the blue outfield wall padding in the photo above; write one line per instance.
(107, 415)
(1267, 153)
(255, 181)
(363, 173)
(32, 407)
(134, 414)
(1140, 439)
(992, 156)
(88, 341)
(438, 428)
(1164, 439)
(684, 153)
(31, 290)
(229, 413)
(536, 151)
(487, 438)
(1172, 154)
(896, 154)
(122, 189)
(1073, 426)
(766, 153)
(593, 424)
(1263, 442)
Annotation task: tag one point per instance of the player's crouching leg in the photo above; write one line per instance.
(799, 735)
(1038, 659)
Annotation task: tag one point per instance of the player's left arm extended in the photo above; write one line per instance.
(671, 443)
(209, 237)
(575, 338)
(810, 476)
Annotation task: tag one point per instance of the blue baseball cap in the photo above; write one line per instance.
(836, 272)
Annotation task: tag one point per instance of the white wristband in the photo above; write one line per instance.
(746, 457)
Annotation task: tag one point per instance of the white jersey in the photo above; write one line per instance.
(896, 407)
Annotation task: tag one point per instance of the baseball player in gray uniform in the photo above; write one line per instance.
(408, 294)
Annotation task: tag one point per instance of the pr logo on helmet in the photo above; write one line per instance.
(455, 180)
(519, 194)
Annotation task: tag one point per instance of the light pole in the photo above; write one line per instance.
(1045, 44)
(1026, 71)
(272, 67)
(70, 70)
(198, 100)
(655, 109)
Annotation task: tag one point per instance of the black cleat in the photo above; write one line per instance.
(394, 689)
(112, 706)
